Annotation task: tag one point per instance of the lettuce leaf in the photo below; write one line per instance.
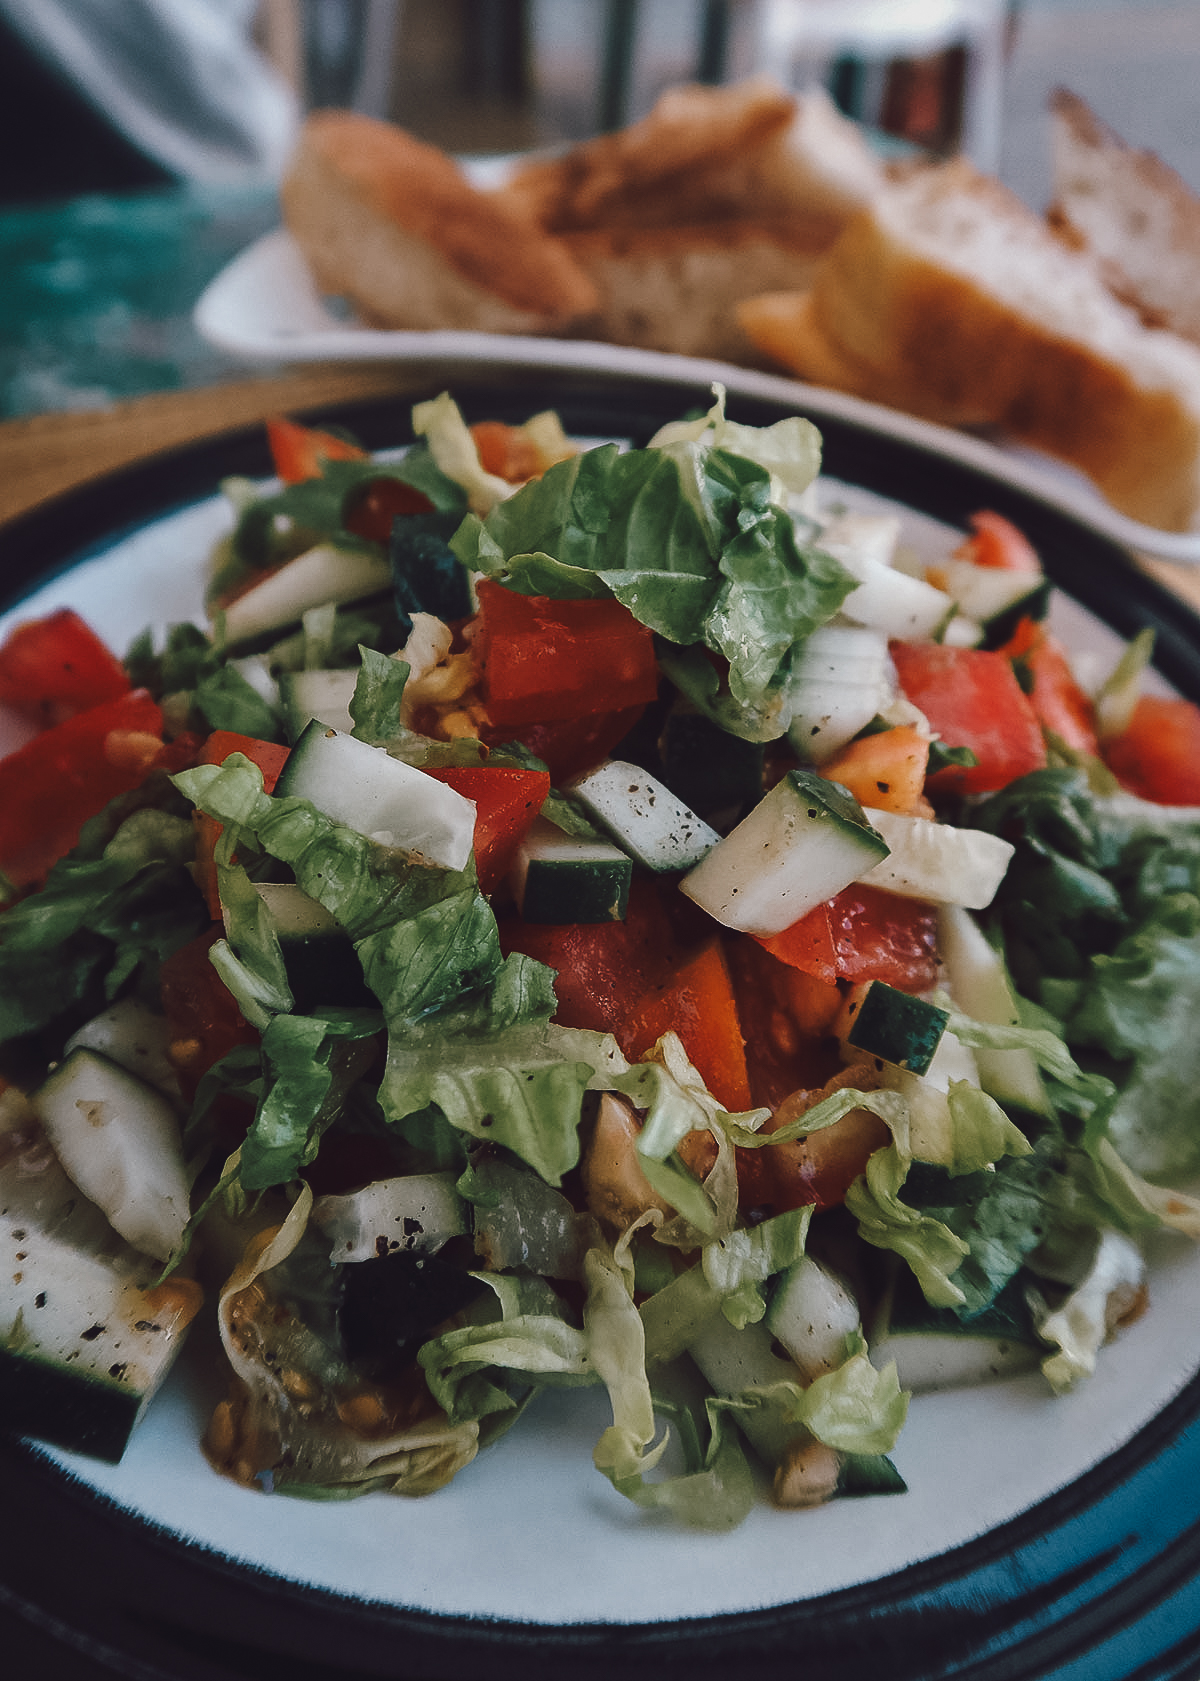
(469, 1031)
(378, 696)
(107, 916)
(855, 1408)
(226, 701)
(689, 538)
(274, 527)
(302, 1094)
(1099, 915)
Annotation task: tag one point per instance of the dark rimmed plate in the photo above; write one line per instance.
(1090, 1576)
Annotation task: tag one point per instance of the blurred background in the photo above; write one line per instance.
(141, 141)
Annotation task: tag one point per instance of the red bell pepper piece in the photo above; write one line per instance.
(971, 698)
(507, 801)
(53, 668)
(788, 1016)
(270, 758)
(1158, 755)
(51, 787)
(540, 658)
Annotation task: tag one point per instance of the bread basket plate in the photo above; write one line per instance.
(264, 306)
(1038, 1535)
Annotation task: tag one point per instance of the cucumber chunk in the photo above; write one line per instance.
(711, 771)
(812, 1314)
(903, 1030)
(799, 846)
(322, 574)
(135, 1036)
(993, 597)
(842, 676)
(322, 964)
(85, 1337)
(560, 878)
(380, 797)
(119, 1140)
(934, 1349)
(643, 816)
(323, 696)
(980, 986)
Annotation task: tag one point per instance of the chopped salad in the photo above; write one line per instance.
(604, 916)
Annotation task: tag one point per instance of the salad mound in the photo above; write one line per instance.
(606, 916)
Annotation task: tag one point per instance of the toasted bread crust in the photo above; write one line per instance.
(1134, 215)
(677, 288)
(952, 301)
(621, 178)
(350, 171)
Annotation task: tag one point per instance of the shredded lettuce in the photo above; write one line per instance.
(378, 696)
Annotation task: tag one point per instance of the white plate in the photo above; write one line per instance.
(265, 306)
(531, 1531)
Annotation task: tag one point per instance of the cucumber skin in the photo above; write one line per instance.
(899, 1028)
(556, 895)
(71, 1410)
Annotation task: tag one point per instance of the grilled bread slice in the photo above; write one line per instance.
(394, 226)
(950, 299)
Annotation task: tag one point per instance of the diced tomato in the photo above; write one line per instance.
(885, 770)
(569, 746)
(807, 945)
(180, 753)
(545, 659)
(53, 668)
(378, 503)
(697, 1003)
(1158, 756)
(971, 698)
(637, 980)
(863, 933)
(270, 758)
(786, 1015)
(507, 801)
(50, 787)
(298, 451)
(881, 936)
(819, 1169)
(507, 451)
(1062, 706)
(997, 542)
(205, 1023)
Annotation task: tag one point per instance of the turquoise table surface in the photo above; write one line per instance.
(96, 294)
